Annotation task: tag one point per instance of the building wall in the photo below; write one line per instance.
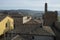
(26, 19)
(3, 27)
(57, 25)
(50, 18)
(25, 28)
(18, 21)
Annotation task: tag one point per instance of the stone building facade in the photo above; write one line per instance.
(49, 17)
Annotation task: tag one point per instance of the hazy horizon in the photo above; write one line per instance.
(37, 5)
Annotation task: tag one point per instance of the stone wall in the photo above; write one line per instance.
(57, 25)
(50, 18)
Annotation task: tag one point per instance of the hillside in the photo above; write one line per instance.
(25, 12)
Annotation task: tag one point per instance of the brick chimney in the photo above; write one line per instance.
(45, 7)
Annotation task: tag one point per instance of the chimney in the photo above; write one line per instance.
(45, 7)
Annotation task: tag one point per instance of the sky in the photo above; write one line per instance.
(29, 4)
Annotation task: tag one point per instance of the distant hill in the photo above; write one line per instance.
(25, 12)
(31, 12)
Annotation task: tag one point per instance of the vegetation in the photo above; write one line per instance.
(59, 18)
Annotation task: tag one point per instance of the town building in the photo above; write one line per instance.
(31, 30)
(49, 17)
(6, 24)
(26, 28)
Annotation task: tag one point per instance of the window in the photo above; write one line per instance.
(14, 26)
(41, 26)
(8, 24)
(28, 17)
(32, 37)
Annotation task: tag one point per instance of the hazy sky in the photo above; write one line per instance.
(29, 4)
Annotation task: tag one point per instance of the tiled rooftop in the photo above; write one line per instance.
(2, 17)
(33, 22)
(30, 28)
